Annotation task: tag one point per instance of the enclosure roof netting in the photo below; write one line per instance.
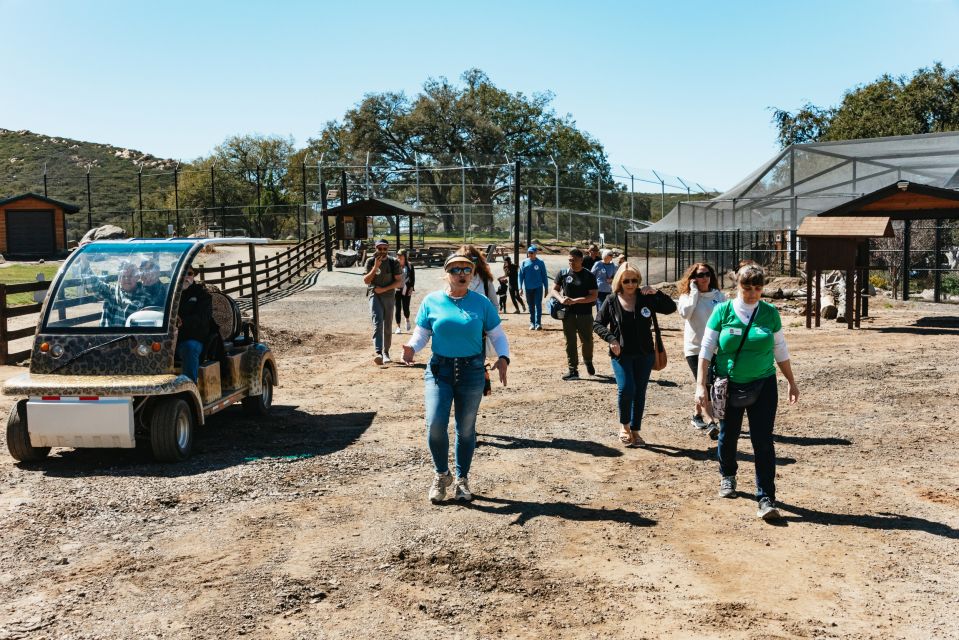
(375, 207)
(807, 179)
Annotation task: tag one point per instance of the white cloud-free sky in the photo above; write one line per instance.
(681, 87)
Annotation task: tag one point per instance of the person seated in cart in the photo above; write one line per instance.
(120, 299)
(194, 323)
(153, 291)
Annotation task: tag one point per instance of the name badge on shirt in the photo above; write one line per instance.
(535, 267)
(646, 312)
(733, 331)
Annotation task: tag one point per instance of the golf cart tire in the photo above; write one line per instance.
(18, 437)
(171, 430)
(262, 404)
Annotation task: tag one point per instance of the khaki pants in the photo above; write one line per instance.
(582, 326)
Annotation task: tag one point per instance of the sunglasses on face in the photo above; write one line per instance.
(630, 281)
(701, 274)
(458, 270)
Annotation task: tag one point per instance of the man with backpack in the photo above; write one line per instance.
(383, 275)
(577, 290)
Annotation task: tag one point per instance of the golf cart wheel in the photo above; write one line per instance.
(171, 430)
(18, 438)
(260, 405)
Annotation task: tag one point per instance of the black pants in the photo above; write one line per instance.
(402, 306)
(762, 419)
(516, 298)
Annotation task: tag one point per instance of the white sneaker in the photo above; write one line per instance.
(438, 488)
(407, 325)
(378, 358)
(397, 330)
(767, 510)
(386, 358)
(461, 490)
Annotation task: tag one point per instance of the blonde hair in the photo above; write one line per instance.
(622, 271)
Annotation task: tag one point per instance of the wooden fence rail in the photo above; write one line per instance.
(274, 272)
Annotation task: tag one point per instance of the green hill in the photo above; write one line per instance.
(113, 171)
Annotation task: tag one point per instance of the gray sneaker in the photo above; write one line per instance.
(438, 489)
(698, 422)
(712, 430)
(767, 510)
(727, 487)
(461, 490)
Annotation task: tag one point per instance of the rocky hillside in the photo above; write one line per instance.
(112, 169)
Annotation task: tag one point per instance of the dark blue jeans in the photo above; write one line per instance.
(762, 419)
(457, 384)
(632, 378)
(534, 301)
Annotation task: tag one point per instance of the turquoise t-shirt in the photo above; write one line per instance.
(457, 325)
(756, 360)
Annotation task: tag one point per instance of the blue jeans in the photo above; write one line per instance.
(762, 419)
(456, 382)
(632, 378)
(190, 352)
(534, 300)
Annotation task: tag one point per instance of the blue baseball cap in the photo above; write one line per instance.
(532, 248)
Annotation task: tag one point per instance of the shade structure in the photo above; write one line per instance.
(808, 179)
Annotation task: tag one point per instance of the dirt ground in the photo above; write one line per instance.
(315, 523)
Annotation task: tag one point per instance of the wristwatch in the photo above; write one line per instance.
(505, 358)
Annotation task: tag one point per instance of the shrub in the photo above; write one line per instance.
(878, 280)
(950, 285)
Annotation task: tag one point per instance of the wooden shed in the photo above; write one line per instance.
(33, 226)
(839, 243)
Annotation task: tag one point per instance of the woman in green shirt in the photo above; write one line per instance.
(755, 366)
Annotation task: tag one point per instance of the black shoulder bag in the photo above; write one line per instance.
(725, 390)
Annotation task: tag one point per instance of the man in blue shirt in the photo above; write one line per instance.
(534, 280)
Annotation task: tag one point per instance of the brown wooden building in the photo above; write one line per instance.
(33, 226)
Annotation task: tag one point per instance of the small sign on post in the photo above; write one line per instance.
(40, 296)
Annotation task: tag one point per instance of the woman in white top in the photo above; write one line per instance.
(699, 295)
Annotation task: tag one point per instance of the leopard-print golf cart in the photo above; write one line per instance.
(103, 370)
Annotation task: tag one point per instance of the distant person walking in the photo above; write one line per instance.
(483, 281)
(534, 281)
(744, 339)
(511, 277)
(405, 293)
(604, 270)
(625, 323)
(699, 294)
(591, 257)
(456, 319)
(576, 288)
(383, 275)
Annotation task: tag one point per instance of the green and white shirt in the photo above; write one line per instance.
(764, 347)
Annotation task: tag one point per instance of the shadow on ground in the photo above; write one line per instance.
(228, 439)
(702, 454)
(882, 521)
(526, 511)
(564, 444)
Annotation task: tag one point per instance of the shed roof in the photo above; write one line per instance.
(845, 227)
(902, 201)
(67, 208)
(375, 207)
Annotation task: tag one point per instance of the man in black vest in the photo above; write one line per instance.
(383, 275)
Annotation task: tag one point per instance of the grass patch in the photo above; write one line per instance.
(17, 273)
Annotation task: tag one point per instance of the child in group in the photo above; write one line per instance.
(501, 291)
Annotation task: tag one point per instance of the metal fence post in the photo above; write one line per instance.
(516, 187)
(176, 196)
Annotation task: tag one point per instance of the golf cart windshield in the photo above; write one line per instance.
(115, 287)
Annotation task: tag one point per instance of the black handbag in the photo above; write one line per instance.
(724, 391)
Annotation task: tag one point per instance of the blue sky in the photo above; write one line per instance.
(680, 87)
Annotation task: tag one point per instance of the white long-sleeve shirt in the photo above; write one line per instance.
(695, 308)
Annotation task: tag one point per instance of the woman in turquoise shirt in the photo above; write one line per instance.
(456, 319)
(755, 366)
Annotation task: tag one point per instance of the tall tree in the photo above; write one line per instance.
(927, 102)
(474, 123)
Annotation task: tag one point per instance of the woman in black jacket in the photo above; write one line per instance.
(405, 293)
(625, 322)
